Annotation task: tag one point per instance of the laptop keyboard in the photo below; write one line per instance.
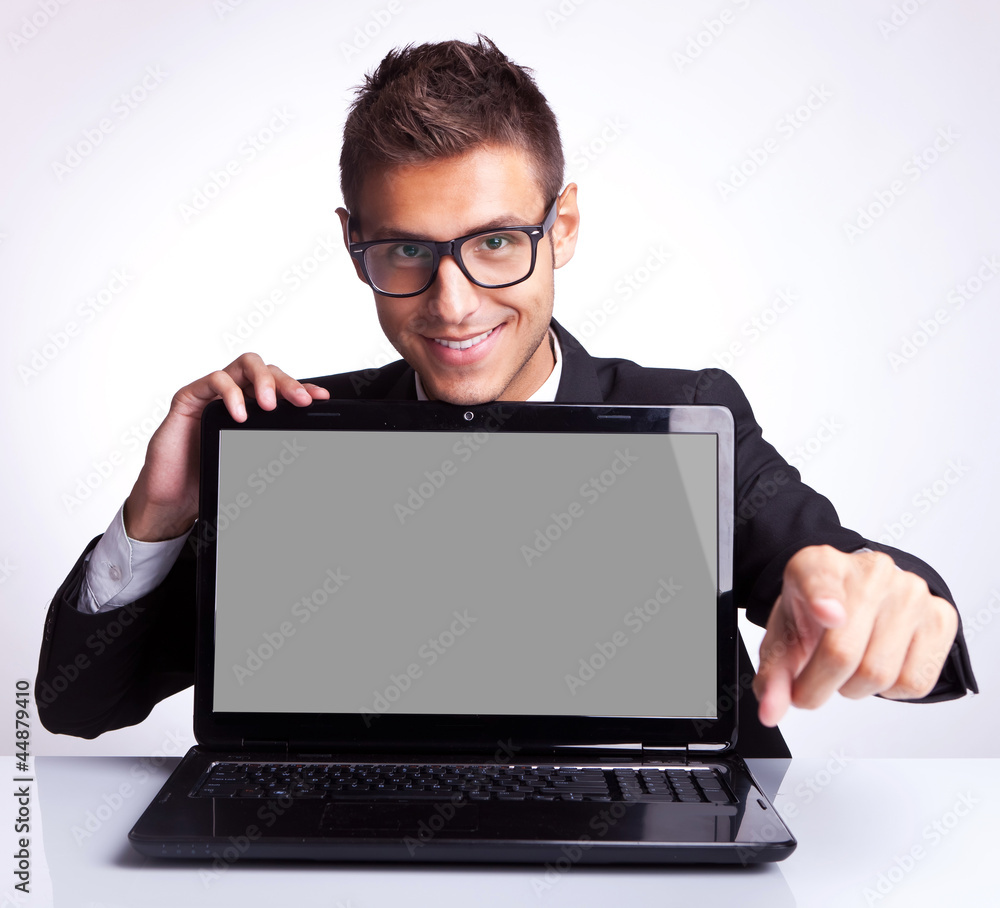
(464, 781)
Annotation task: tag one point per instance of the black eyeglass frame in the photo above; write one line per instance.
(453, 248)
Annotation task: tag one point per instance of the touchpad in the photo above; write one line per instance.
(417, 818)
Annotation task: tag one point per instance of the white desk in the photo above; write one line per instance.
(857, 823)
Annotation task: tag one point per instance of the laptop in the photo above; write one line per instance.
(494, 633)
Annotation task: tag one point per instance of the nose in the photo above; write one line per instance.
(452, 297)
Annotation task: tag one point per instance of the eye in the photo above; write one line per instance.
(497, 242)
(409, 251)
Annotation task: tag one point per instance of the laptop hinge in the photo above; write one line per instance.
(692, 751)
(654, 751)
(271, 747)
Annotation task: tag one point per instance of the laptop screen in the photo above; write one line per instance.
(466, 573)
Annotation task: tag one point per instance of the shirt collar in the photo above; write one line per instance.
(546, 393)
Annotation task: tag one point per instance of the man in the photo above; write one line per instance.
(454, 141)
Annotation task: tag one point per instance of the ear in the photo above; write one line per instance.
(343, 214)
(567, 225)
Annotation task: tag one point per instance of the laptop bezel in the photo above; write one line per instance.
(410, 733)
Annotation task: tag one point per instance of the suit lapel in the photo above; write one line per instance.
(578, 383)
(405, 387)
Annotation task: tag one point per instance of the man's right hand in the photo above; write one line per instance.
(164, 499)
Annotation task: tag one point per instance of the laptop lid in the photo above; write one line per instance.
(402, 576)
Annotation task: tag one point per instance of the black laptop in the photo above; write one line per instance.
(495, 633)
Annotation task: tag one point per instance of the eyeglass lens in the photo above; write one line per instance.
(490, 258)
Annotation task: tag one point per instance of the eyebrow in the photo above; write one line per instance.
(390, 232)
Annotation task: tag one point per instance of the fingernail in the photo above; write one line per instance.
(834, 605)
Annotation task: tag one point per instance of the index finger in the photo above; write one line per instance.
(300, 394)
(783, 651)
(773, 682)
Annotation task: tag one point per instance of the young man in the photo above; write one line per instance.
(456, 217)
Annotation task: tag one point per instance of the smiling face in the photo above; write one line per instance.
(442, 199)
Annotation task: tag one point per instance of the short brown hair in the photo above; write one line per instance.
(440, 100)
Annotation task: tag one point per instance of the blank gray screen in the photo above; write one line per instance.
(466, 573)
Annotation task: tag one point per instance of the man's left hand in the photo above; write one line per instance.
(852, 623)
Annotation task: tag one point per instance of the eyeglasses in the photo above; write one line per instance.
(494, 258)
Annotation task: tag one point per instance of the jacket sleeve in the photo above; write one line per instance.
(777, 514)
(105, 671)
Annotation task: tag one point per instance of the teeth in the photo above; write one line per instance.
(464, 345)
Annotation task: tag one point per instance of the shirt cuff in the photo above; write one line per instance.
(121, 570)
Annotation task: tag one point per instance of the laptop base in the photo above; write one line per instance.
(561, 834)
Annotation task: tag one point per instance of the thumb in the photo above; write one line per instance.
(816, 597)
(826, 609)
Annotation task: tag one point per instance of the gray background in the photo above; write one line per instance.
(333, 508)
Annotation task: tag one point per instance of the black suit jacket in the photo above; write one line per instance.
(105, 671)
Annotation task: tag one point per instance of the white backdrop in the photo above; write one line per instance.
(820, 180)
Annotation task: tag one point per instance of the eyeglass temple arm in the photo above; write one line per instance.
(550, 218)
(351, 225)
